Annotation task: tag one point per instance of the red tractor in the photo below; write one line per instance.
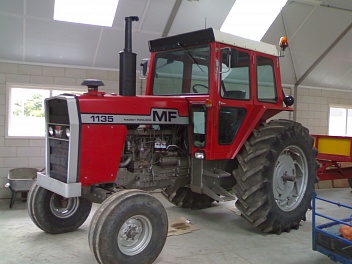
(200, 134)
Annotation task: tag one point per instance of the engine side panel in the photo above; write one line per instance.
(100, 153)
(134, 109)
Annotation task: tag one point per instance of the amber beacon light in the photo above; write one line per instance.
(283, 45)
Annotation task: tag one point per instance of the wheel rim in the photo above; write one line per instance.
(63, 207)
(134, 235)
(290, 178)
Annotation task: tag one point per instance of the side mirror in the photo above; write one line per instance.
(234, 59)
(225, 60)
(143, 73)
(225, 56)
(229, 59)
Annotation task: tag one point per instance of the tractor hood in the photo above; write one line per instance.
(139, 110)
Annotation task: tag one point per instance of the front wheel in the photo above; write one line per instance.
(129, 227)
(55, 214)
(275, 176)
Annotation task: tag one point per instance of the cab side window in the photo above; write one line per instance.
(266, 88)
(235, 76)
(230, 120)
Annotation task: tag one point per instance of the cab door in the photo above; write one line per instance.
(234, 101)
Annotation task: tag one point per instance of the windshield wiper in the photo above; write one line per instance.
(189, 55)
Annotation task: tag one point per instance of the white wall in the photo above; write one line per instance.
(311, 108)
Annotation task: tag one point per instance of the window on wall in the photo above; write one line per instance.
(340, 121)
(25, 117)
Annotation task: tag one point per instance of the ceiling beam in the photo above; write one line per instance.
(323, 55)
(98, 46)
(171, 19)
(320, 3)
(308, 2)
(316, 63)
(337, 7)
(146, 9)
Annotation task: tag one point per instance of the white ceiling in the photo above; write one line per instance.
(319, 34)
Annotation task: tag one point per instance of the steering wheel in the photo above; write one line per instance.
(200, 85)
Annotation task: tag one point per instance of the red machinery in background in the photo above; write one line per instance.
(335, 157)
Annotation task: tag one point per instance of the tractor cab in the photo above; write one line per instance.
(231, 84)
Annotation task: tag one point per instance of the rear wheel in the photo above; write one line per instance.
(129, 227)
(56, 214)
(275, 176)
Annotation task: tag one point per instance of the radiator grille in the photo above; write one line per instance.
(58, 147)
(58, 159)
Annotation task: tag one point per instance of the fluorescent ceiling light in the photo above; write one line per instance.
(252, 18)
(92, 12)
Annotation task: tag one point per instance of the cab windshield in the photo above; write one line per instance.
(182, 71)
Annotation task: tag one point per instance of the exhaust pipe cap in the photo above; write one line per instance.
(92, 84)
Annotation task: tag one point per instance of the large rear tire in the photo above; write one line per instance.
(275, 176)
(55, 214)
(129, 227)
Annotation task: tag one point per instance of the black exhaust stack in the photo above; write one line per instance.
(128, 62)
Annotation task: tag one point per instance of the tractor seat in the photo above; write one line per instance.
(236, 94)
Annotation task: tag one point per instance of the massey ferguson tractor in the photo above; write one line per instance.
(200, 134)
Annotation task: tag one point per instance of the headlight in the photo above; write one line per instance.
(199, 155)
(67, 131)
(51, 131)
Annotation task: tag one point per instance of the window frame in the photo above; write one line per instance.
(248, 94)
(346, 108)
(260, 99)
(50, 88)
(187, 68)
(199, 108)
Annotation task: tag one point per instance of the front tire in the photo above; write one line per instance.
(129, 227)
(275, 176)
(55, 214)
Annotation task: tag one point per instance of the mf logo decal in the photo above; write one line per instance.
(156, 116)
(164, 115)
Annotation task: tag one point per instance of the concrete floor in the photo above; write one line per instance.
(223, 238)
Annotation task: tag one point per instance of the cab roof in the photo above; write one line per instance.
(211, 35)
